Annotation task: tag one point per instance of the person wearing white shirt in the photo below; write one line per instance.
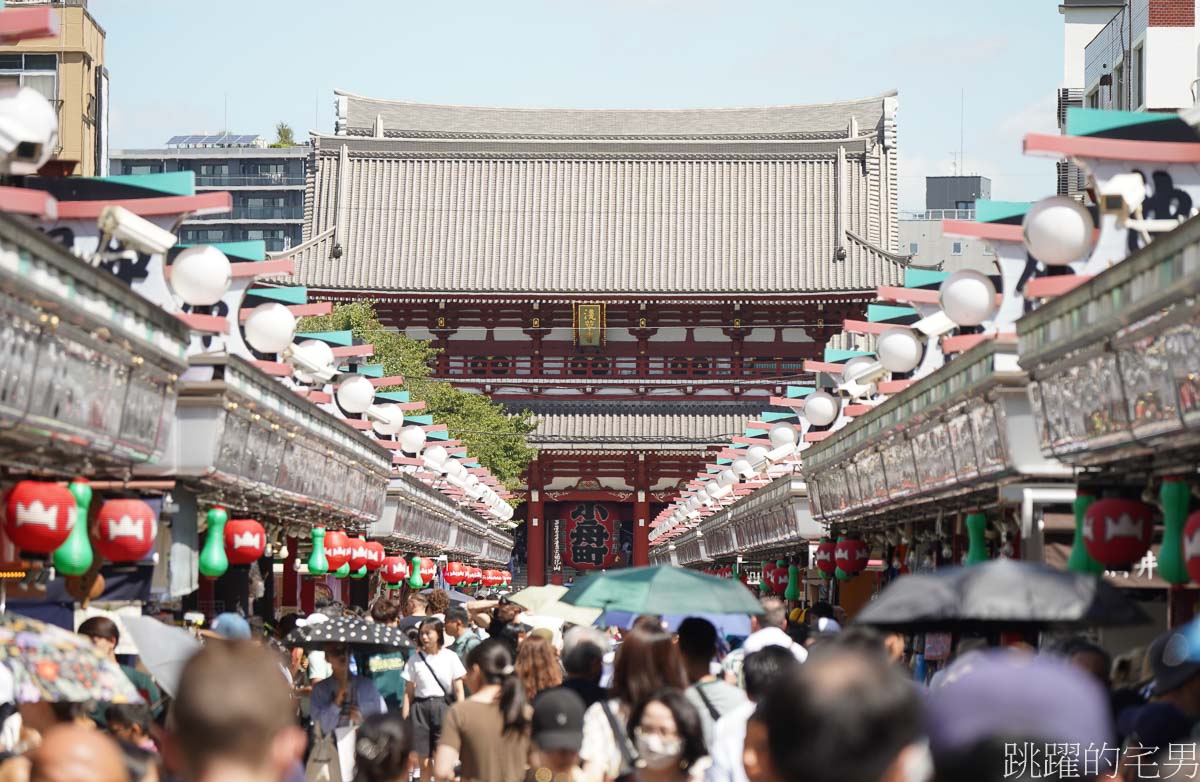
(435, 680)
(762, 670)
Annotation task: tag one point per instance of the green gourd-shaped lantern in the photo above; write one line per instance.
(317, 564)
(763, 587)
(360, 573)
(213, 560)
(1080, 560)
(1175, 496)
(343, 571)
(793, 588)
(74, 557)
(977, 543)
(838, 573)
(414, 579)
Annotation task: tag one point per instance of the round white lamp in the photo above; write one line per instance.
(436, 457)
(355, 393)
(200, 275)
(899, 349)
(395, 416)
(316, 351)
(270, 327)
(30, 118)
(856, 368)
(756, 455)
(727, 478)
(821, 408)
(412, 438)
(968, 297)
(454, 469)
(742, 467)
(782, 435)
(1058, 230)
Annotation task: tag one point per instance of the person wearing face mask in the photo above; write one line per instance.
(489, 731)
(668, 738)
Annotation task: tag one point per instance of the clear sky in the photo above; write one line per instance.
(178, 67)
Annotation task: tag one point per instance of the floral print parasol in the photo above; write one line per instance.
(49, 663)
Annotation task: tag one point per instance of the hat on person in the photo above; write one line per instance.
(1169, 659)
(1157, 724)
(231, 627)
(998, 693)
(558, 719)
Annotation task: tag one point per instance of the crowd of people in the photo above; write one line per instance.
(481, 696)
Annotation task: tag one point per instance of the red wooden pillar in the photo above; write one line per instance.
(205, 596)
(535, 527)
(308, 601)
(641, 515)
(291, 579)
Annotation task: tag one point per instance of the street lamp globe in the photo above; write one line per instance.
(727, 478)
(782, 435)
(355, 393)
(454, 469)
(821, 408)
(200, 275)
(899, 349)
(756, 455)
(412, 439)
(1058, 230)
(742, 467)
(270, 327)
(436, 457)
(968, 297)
(395, 419)
(316, 354)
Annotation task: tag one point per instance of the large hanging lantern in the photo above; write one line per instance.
(455, 573)
(393, 571)
(591, 535)
(765, 579)
(318, 563)
(1080, 560)
(850, 555)
(428, 570)
(245, 541)
(337, 548)
(1118, 532)
(824, 558)
(375, 555)
(492, 578)
(40, 516)
(476, 576)
(505, 577)
(125, 530)
(779, 577)
(359, 554)
(213, 561)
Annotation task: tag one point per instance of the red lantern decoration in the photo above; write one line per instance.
(592, 538)
(245, 541)
(492, 578)
(125, 530)
(476, 575)
(1191, 546)
(40, 516)
(455, 573)
(393, 570)
(375, 555)
(428, 570)
(506, 577)
(1117, 532)
(359, 554)
(851, 555)
(824, 558)
(780, 582)
(337, 549)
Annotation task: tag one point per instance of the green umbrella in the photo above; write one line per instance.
(662, 589)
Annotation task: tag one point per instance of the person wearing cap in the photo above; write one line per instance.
(557, 736)
(231, 627)
(1176, 677)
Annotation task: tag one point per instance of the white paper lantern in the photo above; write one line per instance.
(270, 327)
(412, 439)
(1058, 230)
(395, 419)
(355, 393)
(821, 408)
(968, 297)
(318, 352)
(200, 275)
(899, 349)
(782, 435)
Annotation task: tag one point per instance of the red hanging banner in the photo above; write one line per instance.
(592, 538)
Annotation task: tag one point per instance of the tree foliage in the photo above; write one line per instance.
(284, 137)
(496, 437)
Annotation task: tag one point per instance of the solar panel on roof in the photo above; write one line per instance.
(195, 139)
(176, 140)
(247, 139)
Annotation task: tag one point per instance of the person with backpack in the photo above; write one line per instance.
(712, 696)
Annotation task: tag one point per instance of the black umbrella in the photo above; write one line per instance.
(998, 595)
(362, 635)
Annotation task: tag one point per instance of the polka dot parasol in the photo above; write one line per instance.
(363, 635)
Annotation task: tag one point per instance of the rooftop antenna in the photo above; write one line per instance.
(962, 100)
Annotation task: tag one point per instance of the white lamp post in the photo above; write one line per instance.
(200, 275)
(412, 439)
(270, 327)
(899, 350)
(1058, 231)
(821, 408)
(968, 297)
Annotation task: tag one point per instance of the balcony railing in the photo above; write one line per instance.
(258, 213)
(625, 368)
(261, 180)
(940, 214)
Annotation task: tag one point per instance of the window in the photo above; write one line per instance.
(266, 169)
(203, 236)
(913, 248)
(1118, 87)
(264, 233)
(39, 71)
(956, 248)
(264, 201)
(214, 169)
(1139, 77)
(1093, 99)
(138, 169)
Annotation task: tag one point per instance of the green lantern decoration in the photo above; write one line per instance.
(343, 571)
(414, 578)
(360, 573)
(793, 588)
(1080, 560)
(839, 573)
(763, 587)
(317, 564)
(977, 543)
(213, 560)
(1175, 496)
(74, 557)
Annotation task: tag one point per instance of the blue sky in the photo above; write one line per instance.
(175, 66)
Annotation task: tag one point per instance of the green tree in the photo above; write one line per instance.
(496, 437)
(284, 137)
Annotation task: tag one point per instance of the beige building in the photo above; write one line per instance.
(69, 70)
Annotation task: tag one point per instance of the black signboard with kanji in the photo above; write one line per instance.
(592, 539)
